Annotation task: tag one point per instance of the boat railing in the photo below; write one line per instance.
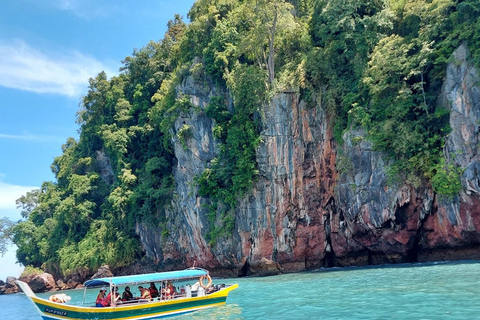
(129, 302)
(194, 294)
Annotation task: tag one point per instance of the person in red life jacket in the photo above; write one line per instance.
(144, 293)
(109, 300)
(153, 290)
(100, 297)
(170, 291)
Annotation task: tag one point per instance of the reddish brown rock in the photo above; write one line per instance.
(72, 284)
(61, 285)
(41, 282)
(10, 282)
(265, 267)
(102, 272)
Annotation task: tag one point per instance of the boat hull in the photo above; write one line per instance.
(149, 310)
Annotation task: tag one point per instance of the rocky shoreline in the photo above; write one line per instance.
(45, 282)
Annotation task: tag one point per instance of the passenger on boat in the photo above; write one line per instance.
(59, 298)
(127, 294)
(100, 297)
(153, 290)
(144, 293)
(164, 286)
(169, 291)
(108, 300)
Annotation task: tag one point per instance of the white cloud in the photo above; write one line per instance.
(9, 193)
(25, 68)
(85, 9)
(88, 9)
(17, 137)
(31, 137)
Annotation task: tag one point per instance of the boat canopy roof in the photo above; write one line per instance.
(145, 278)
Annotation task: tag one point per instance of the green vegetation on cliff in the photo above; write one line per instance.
(382, 64)
(377, 64)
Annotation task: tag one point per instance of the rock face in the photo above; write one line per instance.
(376, 222)
(103, 272)
(285, 216)
(181, 242)
(40, 282)
(104, 167)
(381, 223)
(317, 204)
(10, 283)
(9, 286)
(454, 230)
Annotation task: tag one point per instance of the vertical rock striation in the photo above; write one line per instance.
(180, 242)
(385, 222)
(378, 222)
(283, 219)
(453, 232)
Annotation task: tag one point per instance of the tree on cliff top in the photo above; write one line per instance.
(5, 234)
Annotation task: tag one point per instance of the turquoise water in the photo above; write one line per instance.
(408, 291)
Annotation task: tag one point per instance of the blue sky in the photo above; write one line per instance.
(49, 49)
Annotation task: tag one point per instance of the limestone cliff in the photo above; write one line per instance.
(453, 231)
(319, 204)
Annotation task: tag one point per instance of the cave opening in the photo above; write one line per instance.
(245, 270)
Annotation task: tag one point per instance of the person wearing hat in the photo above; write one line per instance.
(100, 297)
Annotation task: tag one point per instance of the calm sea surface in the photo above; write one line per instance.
(407, 291)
